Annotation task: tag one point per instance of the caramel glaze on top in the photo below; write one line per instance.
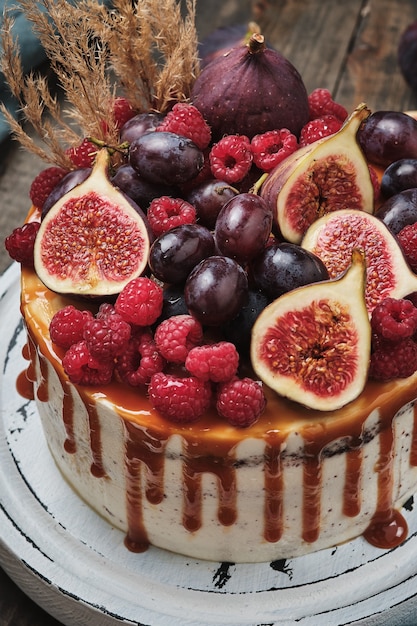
(210, 443)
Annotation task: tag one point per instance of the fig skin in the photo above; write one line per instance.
(296, 188)
(249, 90)
(407, 54)
(94, 240)
(312, 345)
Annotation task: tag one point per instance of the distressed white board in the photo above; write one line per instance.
(75, 565)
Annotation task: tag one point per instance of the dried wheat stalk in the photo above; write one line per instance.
(146, 51)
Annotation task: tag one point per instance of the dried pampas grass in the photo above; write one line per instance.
(144, 50)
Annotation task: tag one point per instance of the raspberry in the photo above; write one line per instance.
(140, 302)
(231, 158)
(107, 336)
(186, 120)
(83, 369)
(272, 147)
(180, 400)
(19, 244)
(165, 213)
(407, 238)
(140, 361)
(84, 154)
(240, 401)
(393, 360)
(217, 362)
(67, 326)
(394, 320)
(321, 103)
(122, 111)
(176, 336)
(318, 128)
(44, 183)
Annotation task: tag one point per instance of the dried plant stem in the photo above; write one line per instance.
(143, 50)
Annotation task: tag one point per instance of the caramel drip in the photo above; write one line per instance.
(195, 464)
(68, 419)
(274, 489)
(351, 495)
(387, 528)
(97, 468)
(24, 386)
(413, 451)
(26, 351)
(312, 472)
(43, 392)
(144, 453)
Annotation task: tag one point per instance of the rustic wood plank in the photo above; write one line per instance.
(372, 72)
(314, 35)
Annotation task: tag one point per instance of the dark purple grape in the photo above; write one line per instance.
(176, 252)
(208, 198)
(68, 182)
(165, 158)
(238, 331)
(173, 304)
(138, 188)
(216, 290)
(139, 125)
(399, 176)
(282, 267)
(399, 211)
(243, 227)
(387, 136)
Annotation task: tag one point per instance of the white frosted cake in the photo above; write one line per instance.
(220, 344)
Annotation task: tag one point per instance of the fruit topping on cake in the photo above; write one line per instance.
(221, 225)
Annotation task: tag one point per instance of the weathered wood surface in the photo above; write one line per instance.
(348, 47)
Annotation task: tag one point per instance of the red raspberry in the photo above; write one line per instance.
(44, 183)
(394, 320)
(407, 238)
(84, 154)
(20, 243)
(392, 360)
(181, 400)
(122, 111)
(241, 401)
(176, 336)
(217, 362)
(186, 120)
(83, 369)
(140, 361)
(318, 128)
(67, 326)
(321, 103)
(140, 301)
(231, 158)
(272, 147)
(165, 213)
(107, 337)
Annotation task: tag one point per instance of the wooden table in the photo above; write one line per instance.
(348, 47)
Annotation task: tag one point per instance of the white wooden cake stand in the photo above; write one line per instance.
(75, 566)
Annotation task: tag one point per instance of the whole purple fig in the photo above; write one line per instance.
(250, 90)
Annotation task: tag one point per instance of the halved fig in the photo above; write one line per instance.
(93, 240)
(333, 238)
(312, 345)
(325, 176)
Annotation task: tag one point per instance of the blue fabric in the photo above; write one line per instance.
(32, 55)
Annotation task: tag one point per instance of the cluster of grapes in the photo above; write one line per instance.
(226, 267)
